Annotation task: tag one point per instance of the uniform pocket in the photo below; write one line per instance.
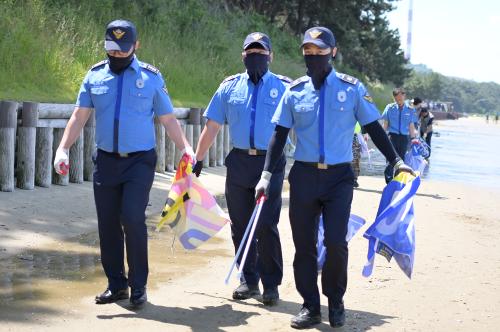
(236, 105)
(270, 105)
(305, 115)
(141, 99)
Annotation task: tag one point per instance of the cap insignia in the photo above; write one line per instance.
(315, 34)
(257, 36)
(118, 33)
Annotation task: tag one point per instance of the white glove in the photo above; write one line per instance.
(189, 150)
(61, 161)
(402, 167)
(262, 188)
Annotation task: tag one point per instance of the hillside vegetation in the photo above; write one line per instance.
(48, 45)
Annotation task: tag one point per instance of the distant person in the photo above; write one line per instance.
(416, 104)
(247, 101)
(399, 121)
(356, 152)
(496, 117)
(426, 121)
(487, 117)
(126, 95)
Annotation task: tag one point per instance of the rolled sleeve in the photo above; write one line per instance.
(366, 111)
(283, 115)
(216, 108)
(84, 98)
(162, 104)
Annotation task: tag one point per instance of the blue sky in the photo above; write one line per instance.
(455, 38)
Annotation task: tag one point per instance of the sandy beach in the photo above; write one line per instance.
(50, 269)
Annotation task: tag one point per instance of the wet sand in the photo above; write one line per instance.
(50, 269)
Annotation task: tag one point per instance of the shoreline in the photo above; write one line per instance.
(453, 286)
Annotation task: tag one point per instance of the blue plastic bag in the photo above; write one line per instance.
(355, 223)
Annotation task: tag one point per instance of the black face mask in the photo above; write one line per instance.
(318, 67)
(257, 65)
(117, 65)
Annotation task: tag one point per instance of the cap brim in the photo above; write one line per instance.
(111, 45)
(256, 42)
(317, 42)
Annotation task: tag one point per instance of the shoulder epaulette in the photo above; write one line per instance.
(347, 78)
(230, 78)
(284, 78)
(149, 67)
(298, 81)
(99, 64)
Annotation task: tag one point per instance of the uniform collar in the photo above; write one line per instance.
(331, 78)
(264, 78)
(135, 64)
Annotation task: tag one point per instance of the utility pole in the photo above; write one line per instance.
(408, 38)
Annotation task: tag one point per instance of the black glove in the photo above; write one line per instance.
(197, 168)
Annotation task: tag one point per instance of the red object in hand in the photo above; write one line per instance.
(64, 168)
(261, 199)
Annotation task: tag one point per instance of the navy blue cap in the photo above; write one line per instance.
(319, 36)
(259, 38)
(120, 36)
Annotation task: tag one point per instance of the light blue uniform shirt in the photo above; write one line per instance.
(233, 103)
(128, 100)
(399, 120)
(345, 102)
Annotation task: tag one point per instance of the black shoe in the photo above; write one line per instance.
(356, 184)
(270, 296)
(306, 318)
(110, 297)
(138, 297)
(336, 314)
(244, 291)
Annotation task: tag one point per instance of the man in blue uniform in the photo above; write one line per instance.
(399, 121)
(126, 94)
(323, 108)
(247, 102)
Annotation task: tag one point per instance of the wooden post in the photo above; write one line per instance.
(8, 122)
(212, 154)
(169, 154)
(62, 180)
(177, 155)
(89, 148)
(189, 134)
(26, 142)
(160, 146)
(195, 120)
(43, 160)
(76, 161)
(206, 162)
(220, 147)
(226, 141)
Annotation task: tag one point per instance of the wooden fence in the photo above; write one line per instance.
(31, 132)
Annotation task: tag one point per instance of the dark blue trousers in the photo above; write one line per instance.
(313, 192)
(400, 143)
(264, 260)
(121, 192)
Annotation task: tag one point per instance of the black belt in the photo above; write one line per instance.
(321, 165)
(121, 155)
(251, 152)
